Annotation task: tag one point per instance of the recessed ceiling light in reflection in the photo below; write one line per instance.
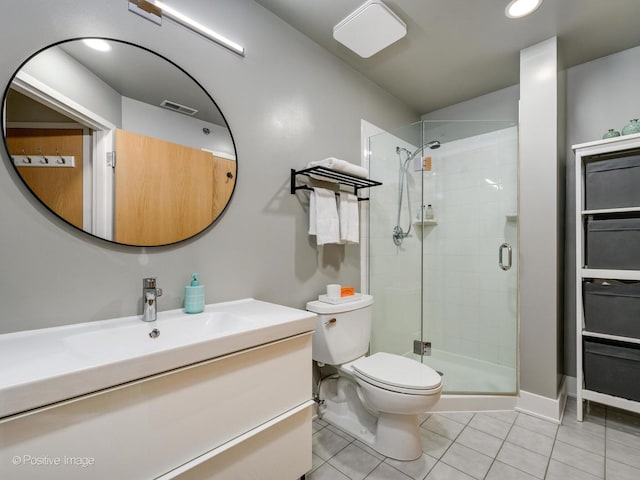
(97, 44)
(521, 8)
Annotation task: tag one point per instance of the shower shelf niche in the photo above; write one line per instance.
(329, 175)
(426, 222)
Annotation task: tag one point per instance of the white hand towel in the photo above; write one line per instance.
(341, 166)
(327, 223)
(349, 218)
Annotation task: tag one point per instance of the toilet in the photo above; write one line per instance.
(375, 398)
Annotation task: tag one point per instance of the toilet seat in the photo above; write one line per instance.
(397, 374)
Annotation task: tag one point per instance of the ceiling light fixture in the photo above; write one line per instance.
(521, 8)
(370, 28)
(154, 10)
(97, 44)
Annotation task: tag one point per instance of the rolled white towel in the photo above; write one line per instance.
(341, 166)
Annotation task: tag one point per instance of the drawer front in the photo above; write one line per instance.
(283, 451)
(147, 428)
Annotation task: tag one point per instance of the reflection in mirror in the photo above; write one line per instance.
(120, 142)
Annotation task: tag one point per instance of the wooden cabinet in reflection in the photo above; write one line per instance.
(165, 192)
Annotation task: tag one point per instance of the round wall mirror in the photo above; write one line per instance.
(119, 142)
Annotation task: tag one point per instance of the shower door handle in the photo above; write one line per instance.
(501, 258)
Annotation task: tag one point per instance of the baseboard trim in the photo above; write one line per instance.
(544, 407)
(474, 403)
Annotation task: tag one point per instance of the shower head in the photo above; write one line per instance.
(433, 145)
(430, 145)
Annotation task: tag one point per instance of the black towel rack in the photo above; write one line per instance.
(332, 175)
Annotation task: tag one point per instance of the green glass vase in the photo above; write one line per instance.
(610, 134)
(632, 127)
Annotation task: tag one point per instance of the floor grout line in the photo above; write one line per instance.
(555, 440)
(504, 440)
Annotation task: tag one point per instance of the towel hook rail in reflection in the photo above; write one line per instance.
(61, 159)
(44, 160)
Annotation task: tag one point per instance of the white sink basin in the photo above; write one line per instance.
(137, 339)
(39, 367)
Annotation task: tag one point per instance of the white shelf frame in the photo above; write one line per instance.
(588, 151)
(611, 210)
(606, 336)
(612, 274)
(610, 400)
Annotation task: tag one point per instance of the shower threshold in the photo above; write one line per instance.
(467, 376)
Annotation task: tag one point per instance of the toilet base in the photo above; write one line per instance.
(394, 436)
(402, 443)
(398, 436)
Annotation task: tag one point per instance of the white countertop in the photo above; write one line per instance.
(39, 367)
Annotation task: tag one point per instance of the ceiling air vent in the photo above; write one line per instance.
(370, 28)
(176, 107)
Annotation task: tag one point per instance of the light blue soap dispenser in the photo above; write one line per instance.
(194, 296)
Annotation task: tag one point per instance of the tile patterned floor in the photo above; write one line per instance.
(493, 446)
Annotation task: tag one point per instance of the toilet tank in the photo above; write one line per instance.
(342, 331)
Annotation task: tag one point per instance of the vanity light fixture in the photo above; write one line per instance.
(154, 10)
(521, 8)
(97, 44)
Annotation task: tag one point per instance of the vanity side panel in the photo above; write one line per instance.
(149, 427)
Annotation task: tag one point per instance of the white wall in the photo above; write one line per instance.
(499, 105)
(145, 119)
(287, 102)
(76, 83)
(539, 209)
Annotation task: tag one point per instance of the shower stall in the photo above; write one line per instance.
(443, 250)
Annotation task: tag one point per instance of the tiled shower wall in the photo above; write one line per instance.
(469, 302)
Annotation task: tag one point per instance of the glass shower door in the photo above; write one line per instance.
(470, 253)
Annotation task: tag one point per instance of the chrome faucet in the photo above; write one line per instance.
(150, 294)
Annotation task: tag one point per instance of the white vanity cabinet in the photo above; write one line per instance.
(243, 415)
(608, 272)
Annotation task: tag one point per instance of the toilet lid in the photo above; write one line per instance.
(396, 372)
